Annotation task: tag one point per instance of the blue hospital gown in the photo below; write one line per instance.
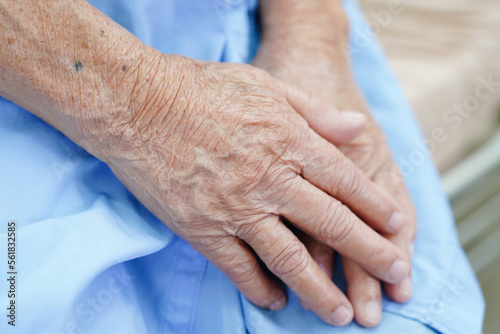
(91, 259)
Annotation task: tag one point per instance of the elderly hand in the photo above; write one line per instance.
(319, 66)
(218, 152)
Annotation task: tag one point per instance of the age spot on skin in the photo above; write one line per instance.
(10, 41)
(78, 66)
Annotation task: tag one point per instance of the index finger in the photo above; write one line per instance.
(328, 220)
(327, 168)
(323, 165)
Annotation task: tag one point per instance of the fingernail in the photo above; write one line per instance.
(341, 316)
(406, 288)
(396, 222)
(373, 312)
(278, 304)
(353, 116)
(398, 271)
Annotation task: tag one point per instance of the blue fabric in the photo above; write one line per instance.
(91, 259)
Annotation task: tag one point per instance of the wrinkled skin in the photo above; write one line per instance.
(220, 152)
(322, 68)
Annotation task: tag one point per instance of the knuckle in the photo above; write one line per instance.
(280, 177)
(271, 176)
(298, 135)
(349, 183)
(335, 227)
(342, 176)
(287, 135)
(290, 262)
(327, 221)
(263, 231)
(284, 185)
(342, 232)
(249, 230)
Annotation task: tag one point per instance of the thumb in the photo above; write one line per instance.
(338, 127)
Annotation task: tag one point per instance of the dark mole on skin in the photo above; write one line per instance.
(124, 67)
(78, 66)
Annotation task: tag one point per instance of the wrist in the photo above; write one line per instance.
(137, 93)
(311, 65)
(78, 70)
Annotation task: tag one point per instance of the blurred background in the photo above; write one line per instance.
(446, 54)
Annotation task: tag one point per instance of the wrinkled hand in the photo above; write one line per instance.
(220, 152)
(324, 70)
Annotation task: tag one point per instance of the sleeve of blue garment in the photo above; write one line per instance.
(91, 259)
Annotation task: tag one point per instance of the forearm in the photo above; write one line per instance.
(301, 36)
(69, 64)
(308, 21)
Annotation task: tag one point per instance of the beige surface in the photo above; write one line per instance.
(440, 50)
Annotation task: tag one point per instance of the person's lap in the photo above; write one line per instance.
(105, 264)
